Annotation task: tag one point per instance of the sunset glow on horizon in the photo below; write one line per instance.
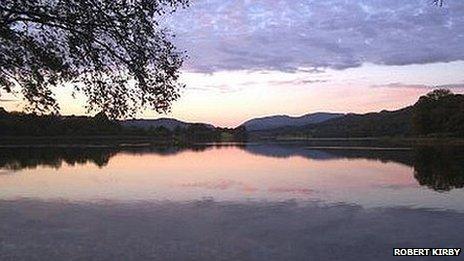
(251, 59)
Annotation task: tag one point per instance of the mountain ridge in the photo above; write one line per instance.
(278, 121)
(371, 124)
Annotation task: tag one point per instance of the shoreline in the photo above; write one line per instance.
(144, 141)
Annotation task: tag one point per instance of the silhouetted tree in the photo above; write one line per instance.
(113, 51)
(440, 111)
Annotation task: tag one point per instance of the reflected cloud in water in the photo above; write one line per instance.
(220, 185)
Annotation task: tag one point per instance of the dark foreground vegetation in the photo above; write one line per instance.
(116, 53)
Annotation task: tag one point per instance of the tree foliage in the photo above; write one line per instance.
(439, 112)
(115, 52)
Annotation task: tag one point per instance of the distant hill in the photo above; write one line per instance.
(374, 124)
(278, 121)
(167, 123)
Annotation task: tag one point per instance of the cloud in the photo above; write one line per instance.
(221, 88)
(297, 82)
(286, 35)
(420, 86)
(450, 86)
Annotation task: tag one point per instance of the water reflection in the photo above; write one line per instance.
(398, 155)
(438, 168)
(32, 157)
(237, 202)
(209, 230)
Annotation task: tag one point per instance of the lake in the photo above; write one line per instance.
(250, 201)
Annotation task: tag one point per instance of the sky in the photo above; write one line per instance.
(253, 58)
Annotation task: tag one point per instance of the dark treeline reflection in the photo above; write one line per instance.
(23, 158)
(439, 168)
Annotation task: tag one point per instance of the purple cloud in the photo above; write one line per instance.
(289, 34)
(420, 86)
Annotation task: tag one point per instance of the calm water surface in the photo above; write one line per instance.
(371, 177)
(246, 201)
